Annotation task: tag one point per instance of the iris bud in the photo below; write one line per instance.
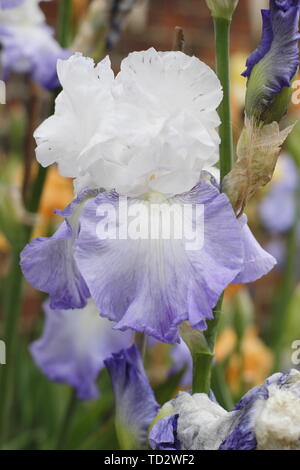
(222, 8)
(272, 67)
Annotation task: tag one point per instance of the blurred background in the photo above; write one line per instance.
(260, 322)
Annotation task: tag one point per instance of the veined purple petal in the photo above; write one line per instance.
(256, 261)
(243, 435)
(163, 435)
(74, 345)
(136, 406)
(49, 264)
(154, 285)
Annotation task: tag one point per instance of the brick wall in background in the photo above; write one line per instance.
(154, 24)
(194, 17)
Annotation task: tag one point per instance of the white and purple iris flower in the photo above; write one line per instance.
(266, 418)
(28, 46)
(74, 345)
(136, 406)
(273, 65)
(145, 136)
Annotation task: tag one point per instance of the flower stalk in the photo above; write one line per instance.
(67, 421)
(64, 22)
(202, 362)
(222, 44)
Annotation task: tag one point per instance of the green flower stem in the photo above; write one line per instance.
(67, 421)
(220, 387)
(202, 362)
(64, 22)
(222, 41)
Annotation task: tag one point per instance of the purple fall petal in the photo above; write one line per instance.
(49, 264)
(257, 262)
(154, 285)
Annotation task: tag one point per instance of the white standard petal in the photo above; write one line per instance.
(82, 110)
(167, 103)
(154, 127)
(166, 124)
(176, 80)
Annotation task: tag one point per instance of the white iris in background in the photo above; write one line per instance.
(152, 128)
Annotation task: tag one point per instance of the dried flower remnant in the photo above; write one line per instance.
(257, 153)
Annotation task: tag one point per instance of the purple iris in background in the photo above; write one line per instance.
(28, 46)
(136, 406)
(6, 4)
(272, 66)
(277, 209)
(74, 345)
(266, 418)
